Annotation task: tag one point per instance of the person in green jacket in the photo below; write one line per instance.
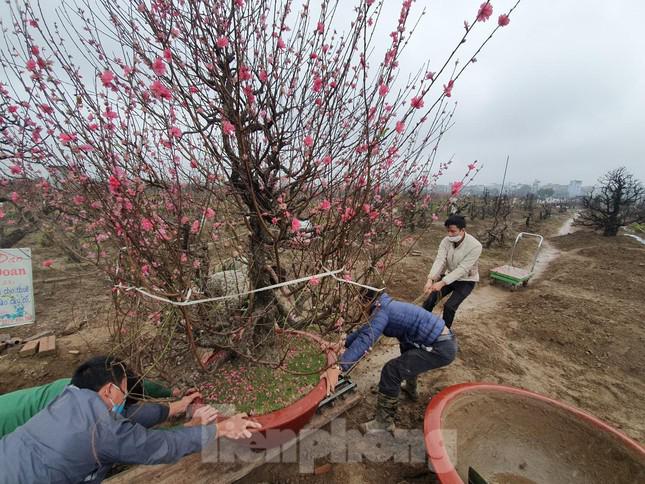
(17, 407)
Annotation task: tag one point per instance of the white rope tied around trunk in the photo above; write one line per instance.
(188, 302)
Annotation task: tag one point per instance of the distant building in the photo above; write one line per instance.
(574, 189)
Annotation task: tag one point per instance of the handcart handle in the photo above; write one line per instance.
(537, 251)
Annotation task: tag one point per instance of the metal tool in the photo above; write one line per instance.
(344, 387)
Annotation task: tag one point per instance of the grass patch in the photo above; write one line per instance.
(258, 389)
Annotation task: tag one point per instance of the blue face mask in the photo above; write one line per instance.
(118, 409)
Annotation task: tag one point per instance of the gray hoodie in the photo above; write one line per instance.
(77, 439)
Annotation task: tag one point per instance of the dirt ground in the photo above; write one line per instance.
(576, 333)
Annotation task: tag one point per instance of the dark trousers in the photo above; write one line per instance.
(460, 291)
(414, 361)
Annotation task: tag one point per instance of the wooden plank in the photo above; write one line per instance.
(47, 346)
(29, 349)
(191, 469)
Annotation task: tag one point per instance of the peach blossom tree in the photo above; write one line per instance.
(165, 141)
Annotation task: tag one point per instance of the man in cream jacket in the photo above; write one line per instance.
(455, 270)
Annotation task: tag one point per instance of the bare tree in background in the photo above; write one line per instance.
(619, 201)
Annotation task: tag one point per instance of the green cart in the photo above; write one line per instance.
(517, 276)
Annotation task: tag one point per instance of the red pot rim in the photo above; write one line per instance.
(436, 450)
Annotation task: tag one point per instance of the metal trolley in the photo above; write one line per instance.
(516, 276)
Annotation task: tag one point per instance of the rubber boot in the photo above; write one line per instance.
(409, 389)
(384, 419)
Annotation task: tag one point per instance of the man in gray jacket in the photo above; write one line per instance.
(80, 435)
(455, 270)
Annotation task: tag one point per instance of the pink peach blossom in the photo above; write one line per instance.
(67, 137)
(222, 41)
(456, 187)
(48, 263)
(447, 88)
(485, 11)
(146, 225)
(159, 66)
(503, 20)
(114, 184)
(107, 77)
(228, 127)
(417, 102)
(160, 91)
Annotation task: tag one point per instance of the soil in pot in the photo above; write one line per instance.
(241, 385)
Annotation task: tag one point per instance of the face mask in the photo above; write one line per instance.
(454, 238)
(118, 409)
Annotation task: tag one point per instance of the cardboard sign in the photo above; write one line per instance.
(16, 288)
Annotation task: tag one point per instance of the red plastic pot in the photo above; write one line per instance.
(508, 434)
(282, 425)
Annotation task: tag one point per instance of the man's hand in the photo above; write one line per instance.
(427, 289)
(204, 415)
(179, 407)
(236, 427)
(331, 376)
(437, 286)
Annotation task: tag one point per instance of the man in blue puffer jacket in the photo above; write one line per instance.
(425, 341)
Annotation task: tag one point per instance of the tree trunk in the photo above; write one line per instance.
(611, 230)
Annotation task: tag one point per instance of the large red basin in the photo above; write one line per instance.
(513, 436)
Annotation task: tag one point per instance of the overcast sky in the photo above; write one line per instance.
(561, 90)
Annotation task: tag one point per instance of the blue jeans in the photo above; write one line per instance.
(414, 361)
